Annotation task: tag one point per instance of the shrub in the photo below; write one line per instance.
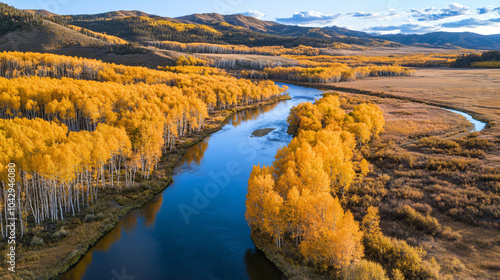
(420, 222)
(475, 143)
(36, 241)
(397, 274)
(121, 200)
(99, 216)
(430, 269)
(60, 233)
(89, 218)
(395, 254)
(449, 234)
(423, 208)
(436, 143)
(447, 164)
(365, 270)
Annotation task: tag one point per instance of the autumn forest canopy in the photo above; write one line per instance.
(74, 125)
(371, 180)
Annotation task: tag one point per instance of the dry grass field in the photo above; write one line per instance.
(427, 160)
(475, 91)
(383, 51)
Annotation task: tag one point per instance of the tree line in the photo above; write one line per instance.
(232, 49)
(100, 36)
(334, 74)
(143, 29)
(488, 59)
(297, 197)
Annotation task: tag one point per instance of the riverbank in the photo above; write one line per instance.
(290, 267)
(86, 228)
(428, 160)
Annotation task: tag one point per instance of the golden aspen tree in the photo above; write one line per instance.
(298, 196)
(304, 116)
(260, 183)
(371, 221)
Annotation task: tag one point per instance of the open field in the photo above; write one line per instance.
(383, 51)
(409, 171)
(475, 91)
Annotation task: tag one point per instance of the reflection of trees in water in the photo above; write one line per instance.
(151, 209)
(129, 223)
(103, 245)
(259, 267)
(250, 114)
(149, 212)
(196, 152)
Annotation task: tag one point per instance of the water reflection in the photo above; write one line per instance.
(195, 153)
(259, 268)
(250, 114)
(214, 242)
(148, 212)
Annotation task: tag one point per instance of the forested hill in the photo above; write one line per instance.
(270, 27)
(466, 40)
(238, 20)
(211, 28)
(137, 26)
(12, 19)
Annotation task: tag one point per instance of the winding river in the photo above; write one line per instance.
(478, 125)
(196, 228)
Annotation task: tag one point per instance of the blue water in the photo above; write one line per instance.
(478, 125)
(196, 228)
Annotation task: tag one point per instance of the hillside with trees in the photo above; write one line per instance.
(488, 59)
(12, 19)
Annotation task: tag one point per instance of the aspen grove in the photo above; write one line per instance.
(298, 197)
(74, 126)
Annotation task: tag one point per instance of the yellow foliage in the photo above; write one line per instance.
(101, 36)
(298, 195)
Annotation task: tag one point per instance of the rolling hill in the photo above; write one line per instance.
(467, 40)
(30, 31)
(270, 27)
(250, 23)
(137, 26)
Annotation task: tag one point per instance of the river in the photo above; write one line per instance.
(196, 228)
(478, 125)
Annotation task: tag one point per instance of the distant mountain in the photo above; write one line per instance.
(270, 27)
(237, 20)
(115, 15)
(136, 26)
(443, 39)
(40, 12)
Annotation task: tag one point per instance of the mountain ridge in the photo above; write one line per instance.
(468, 40)
(331, 33)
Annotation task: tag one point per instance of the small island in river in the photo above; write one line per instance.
(262, 132)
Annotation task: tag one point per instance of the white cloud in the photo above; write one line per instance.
(431, 14)
(252, 13)
(309, 17)
(376, 15)
(488, 10)
(469, 22)
(408, 28)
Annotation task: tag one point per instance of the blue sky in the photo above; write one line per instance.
(386, 16)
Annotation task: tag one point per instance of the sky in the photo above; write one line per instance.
(382, 16)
